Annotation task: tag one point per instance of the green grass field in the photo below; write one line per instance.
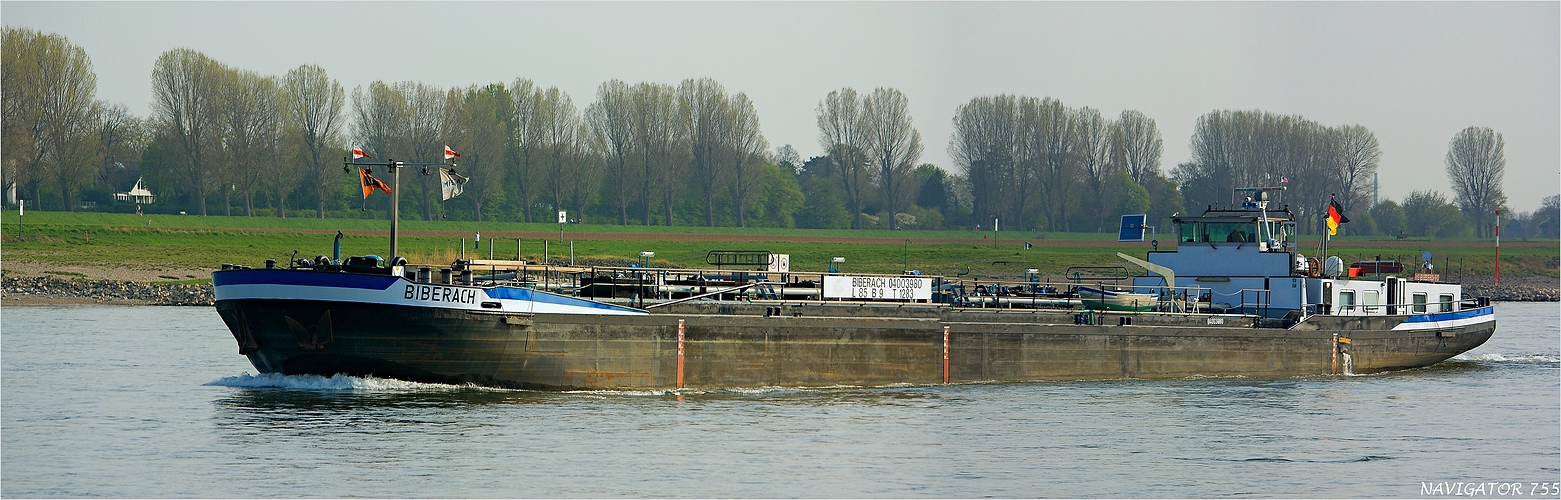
(207, 242)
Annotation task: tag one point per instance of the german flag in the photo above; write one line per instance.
(1335, 217)
(370, 183)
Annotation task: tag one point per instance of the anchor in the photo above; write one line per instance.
(311, 339)
(245, 336)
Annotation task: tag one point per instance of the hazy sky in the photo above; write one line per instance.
(1413, 73)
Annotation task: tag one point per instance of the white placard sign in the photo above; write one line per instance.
(563, 217)
(877, 287)
(780, 263)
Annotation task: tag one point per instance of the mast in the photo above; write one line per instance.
(395, 191)
(395, 204)
(1260, 199)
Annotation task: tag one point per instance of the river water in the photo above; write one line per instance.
(156, 402)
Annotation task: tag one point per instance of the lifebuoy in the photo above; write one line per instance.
(1313, 267)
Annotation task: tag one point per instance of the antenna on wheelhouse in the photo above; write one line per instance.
(1259, 200)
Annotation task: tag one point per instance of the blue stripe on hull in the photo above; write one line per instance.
(1448, 320)
(546, 298)
(301, 278)
(391, 290)
(1449, 316)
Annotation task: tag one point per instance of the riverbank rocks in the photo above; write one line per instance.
(1512, 289)
(1512, 293)
(48, 288)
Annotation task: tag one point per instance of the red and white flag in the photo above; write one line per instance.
(357, 152)
(450, 153)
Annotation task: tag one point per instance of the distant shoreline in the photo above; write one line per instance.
(52, 290)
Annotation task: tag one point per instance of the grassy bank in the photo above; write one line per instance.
(196, 242)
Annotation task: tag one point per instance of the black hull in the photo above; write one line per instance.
(807, 345)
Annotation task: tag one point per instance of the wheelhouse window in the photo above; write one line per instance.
(1419, 300)
(1446, 302)
(1370, 299)
(1346, 301)
(1218, 232)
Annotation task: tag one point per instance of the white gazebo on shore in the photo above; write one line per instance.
(137, 194)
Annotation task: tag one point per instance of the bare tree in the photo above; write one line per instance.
(49, 113)
(842, 134)
(1313, 158)
(587, 153)
(1233, 149)
(1254, 148)
(314, 111)
(747, 145)
(121, 135)
(425, 110)
(560, 121)
(185, 109)
(611, 119)
(477, 130)
(786, 157)
(1357, 163)
(1059, 167)
(381, 126)
(987, 145)
(525, 126)
(1476, 164)
(657, 136)
(703, 104)
(74, 146)
(381, 120)
(251, 125)
(1137, 145)
(1093, 135)
(893, 142)
(20, 99)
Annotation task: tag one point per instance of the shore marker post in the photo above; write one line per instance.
(945, 354)
(1334, 368)
(680, 353)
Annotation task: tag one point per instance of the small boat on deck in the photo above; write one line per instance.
(1116, 300)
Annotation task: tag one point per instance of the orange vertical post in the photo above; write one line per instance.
(945, 354)
(1335, 367)
(680, 353)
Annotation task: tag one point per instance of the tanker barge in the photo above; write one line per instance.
(1242, 304)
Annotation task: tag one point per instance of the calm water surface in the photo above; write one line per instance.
(156, 402)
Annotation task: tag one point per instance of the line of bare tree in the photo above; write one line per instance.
(637, 148)
(51, 123)
(872, 143)
(1232, 149)
(1037, 163)
(691, 153)
(226, 131)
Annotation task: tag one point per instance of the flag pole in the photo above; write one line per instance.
(395, 205)
(1328, 232)
(1325, 231)
(394, 192)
